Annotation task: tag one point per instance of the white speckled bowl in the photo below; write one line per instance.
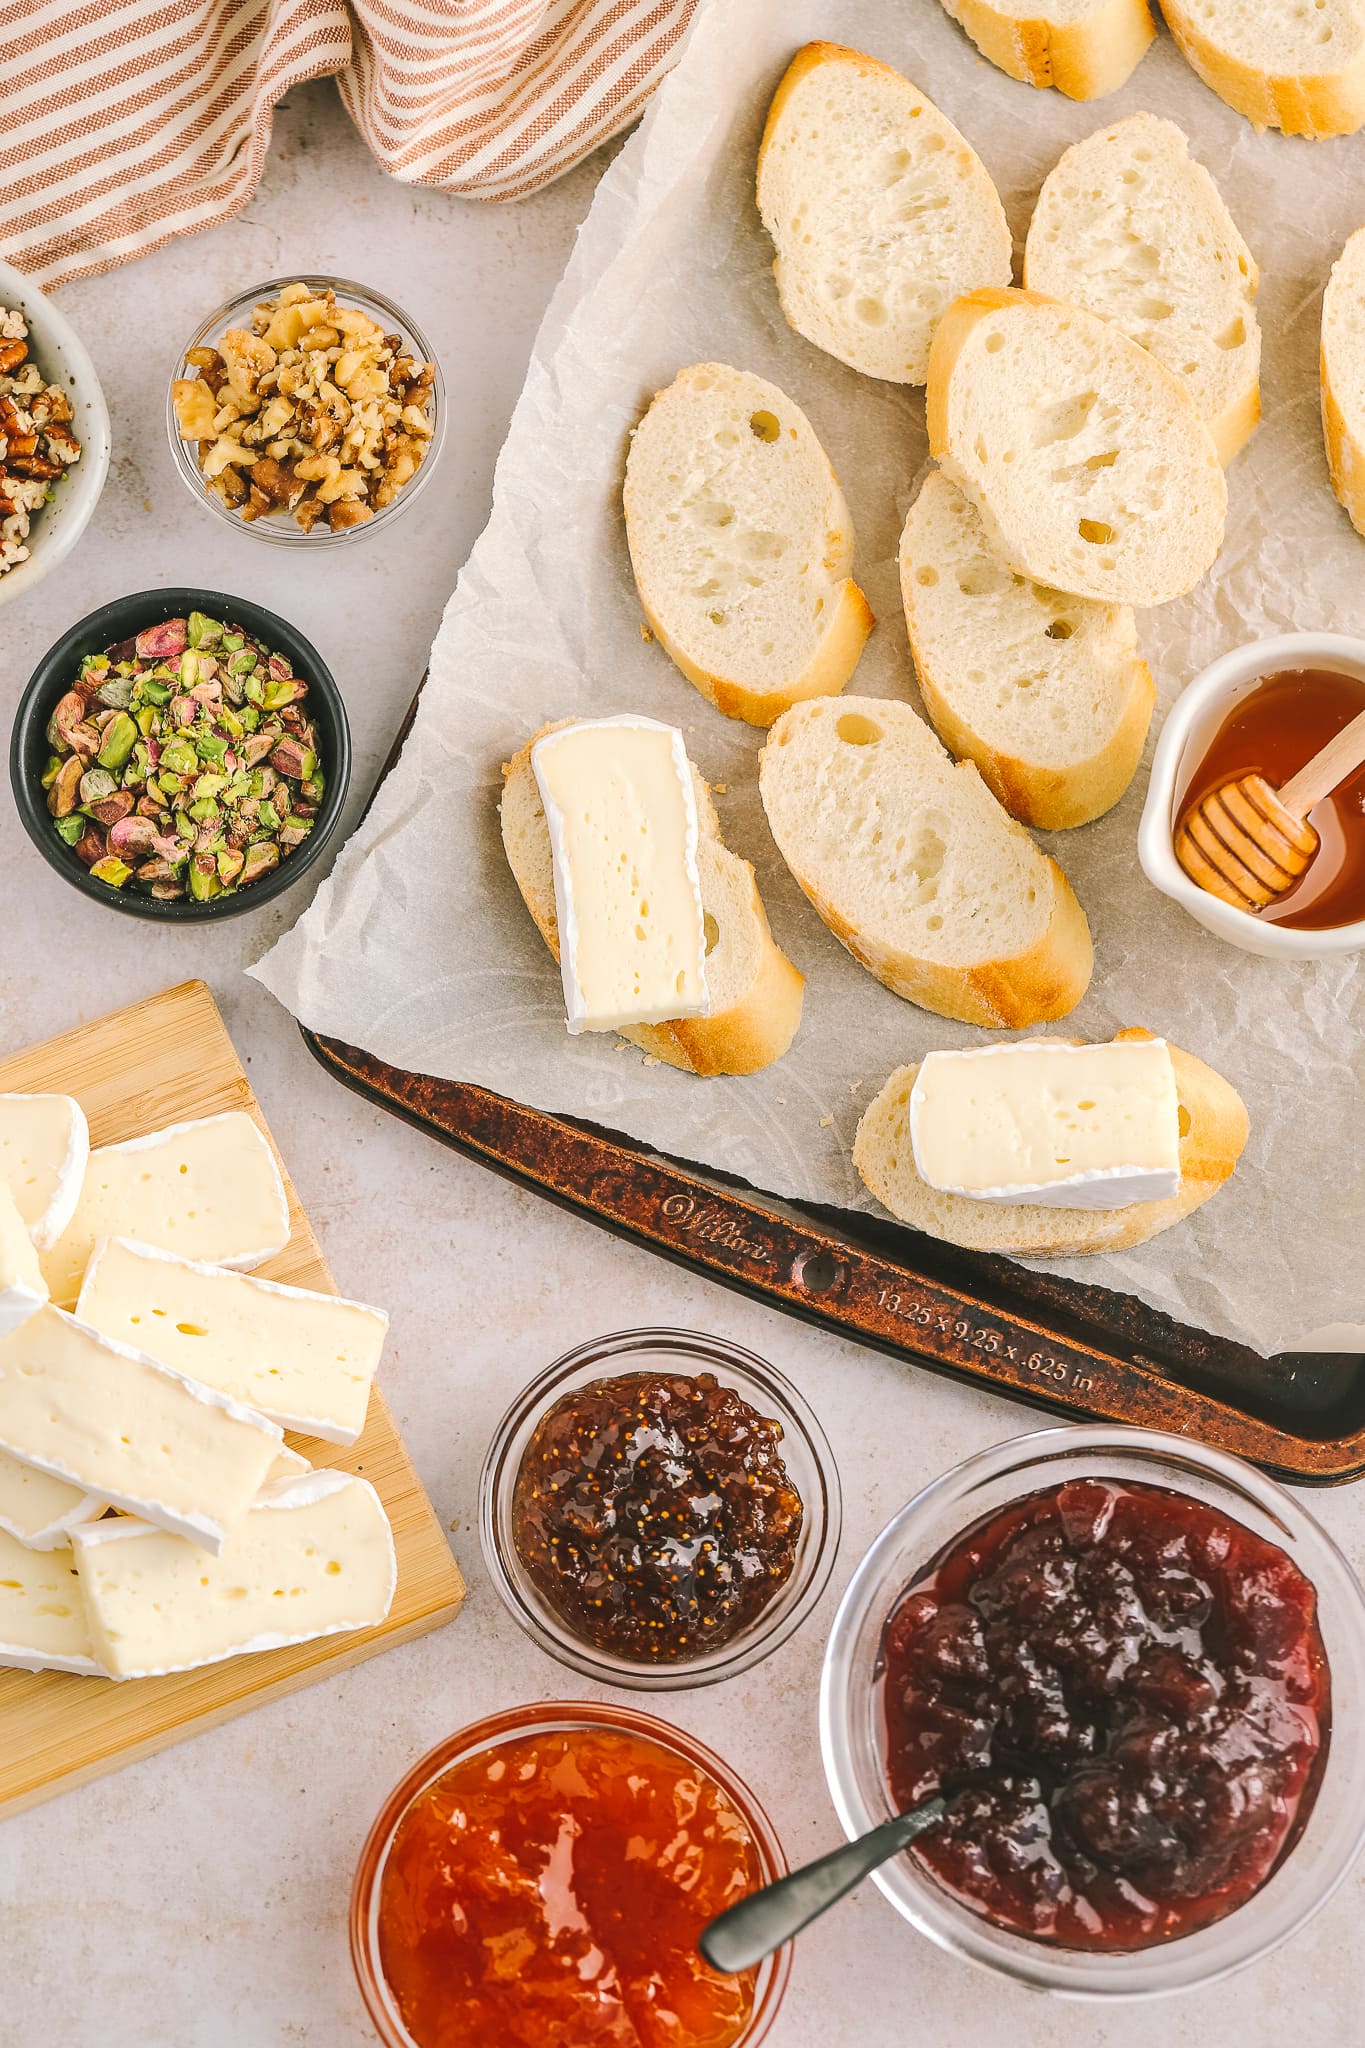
(61, 356)
(1188, 720)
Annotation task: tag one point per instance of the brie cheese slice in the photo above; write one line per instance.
(306, 1360)
(106, 1418)
(23, 1289)
(313, 1557)
(622, 817)
(42, 1614)
(44, 1147)
(208, 1190)
(38, 1510)
(1043, 1122)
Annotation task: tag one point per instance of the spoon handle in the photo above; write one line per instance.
(740, 1937)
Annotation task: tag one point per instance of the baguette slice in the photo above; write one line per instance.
(882, 214)
(1084, 455)
(1131, 227)
(1299, 67)
(1047, 694)
(917, 870)
(1343, 377)
(741, 544)
(1213, 1126)
(1086, 48)
(756, 993)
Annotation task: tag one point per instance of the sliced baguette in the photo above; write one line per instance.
(1131, 227)
(1213, 1125)
(1343, 377)
(917, 870)
(1084, 455)
(1299, 67)
(881, 213)
(741, 544)
(1086, 48)
(755, 991)
(1047, 694)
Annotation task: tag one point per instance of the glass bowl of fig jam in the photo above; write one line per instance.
(1134, 1668)
(539, 1880)
(1266, 709)
(659, 1509)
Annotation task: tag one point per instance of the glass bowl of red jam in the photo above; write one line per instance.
(660, 1509)
(540, 1880)
(1134, 1668)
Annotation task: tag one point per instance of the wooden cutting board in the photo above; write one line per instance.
(136, 1070)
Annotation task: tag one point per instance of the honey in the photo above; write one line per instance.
(1273, 728)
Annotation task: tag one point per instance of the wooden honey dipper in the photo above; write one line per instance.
(1248, 843)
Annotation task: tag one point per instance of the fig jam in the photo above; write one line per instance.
(1124, 1697)
(655, 1515)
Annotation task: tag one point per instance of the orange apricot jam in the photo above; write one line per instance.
(548, 1892)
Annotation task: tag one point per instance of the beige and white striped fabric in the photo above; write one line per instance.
(126, 122)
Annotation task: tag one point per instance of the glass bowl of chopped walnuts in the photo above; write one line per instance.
(308, 409)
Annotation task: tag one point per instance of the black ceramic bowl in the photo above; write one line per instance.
(54, 675)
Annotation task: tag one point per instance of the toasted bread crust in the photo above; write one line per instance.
(1330, 103)
(743, 1039)
(824, 676)
(1083, 59)
(1214, 1131)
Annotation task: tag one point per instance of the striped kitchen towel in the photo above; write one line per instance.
(126, 122)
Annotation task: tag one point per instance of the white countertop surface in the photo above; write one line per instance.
(198, 1900)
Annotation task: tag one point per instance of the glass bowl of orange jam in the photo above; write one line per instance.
(539, 1880)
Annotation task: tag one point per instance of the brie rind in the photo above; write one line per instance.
(43, 1625)
(44, 1148)
(622, 817)
(305, 1360)
(209, 1188)
(107, 1418)
(38, 1510)
(22, 1287)
(313, 1557)
(1050, 1124)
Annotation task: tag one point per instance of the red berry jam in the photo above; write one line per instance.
(1124, 1697)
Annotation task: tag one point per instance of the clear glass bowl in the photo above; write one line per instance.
(805, 1452)
(507, 1727)
(852, 1728)
(280, 527)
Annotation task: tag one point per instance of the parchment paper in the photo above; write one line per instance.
(418, 947)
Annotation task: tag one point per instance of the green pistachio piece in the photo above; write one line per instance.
(268, 815)
(185, 825)
(92, 662)
(147, 720)
(241, 664)
(230, 722)
(111, 870)
(205, 811)
(280, 692)
(118, 738)
(233, 642)
(208, 785)
(293, 823)
(70, 829)
(209, 746)
(179, 757)
(117, 692)
(202, 631)
(204, 883)
(255, 690)
(52, 770)
(95, 783)
(155, 692)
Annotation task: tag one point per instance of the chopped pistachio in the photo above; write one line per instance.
(111, 870)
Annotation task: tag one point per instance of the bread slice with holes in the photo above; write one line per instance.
(1047, 694)
(1131, 227)
(917, 870)
(1298, 65)
(881, 213)
(1343, 377)
(1213, 1132)
(1091, 469)
(755, 992)
(742, 544)
(1086, 48)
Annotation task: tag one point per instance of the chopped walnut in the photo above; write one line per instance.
(37, 446)
(315, 411)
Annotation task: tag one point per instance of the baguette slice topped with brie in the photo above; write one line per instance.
(1212, 1127)
(755, 993)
